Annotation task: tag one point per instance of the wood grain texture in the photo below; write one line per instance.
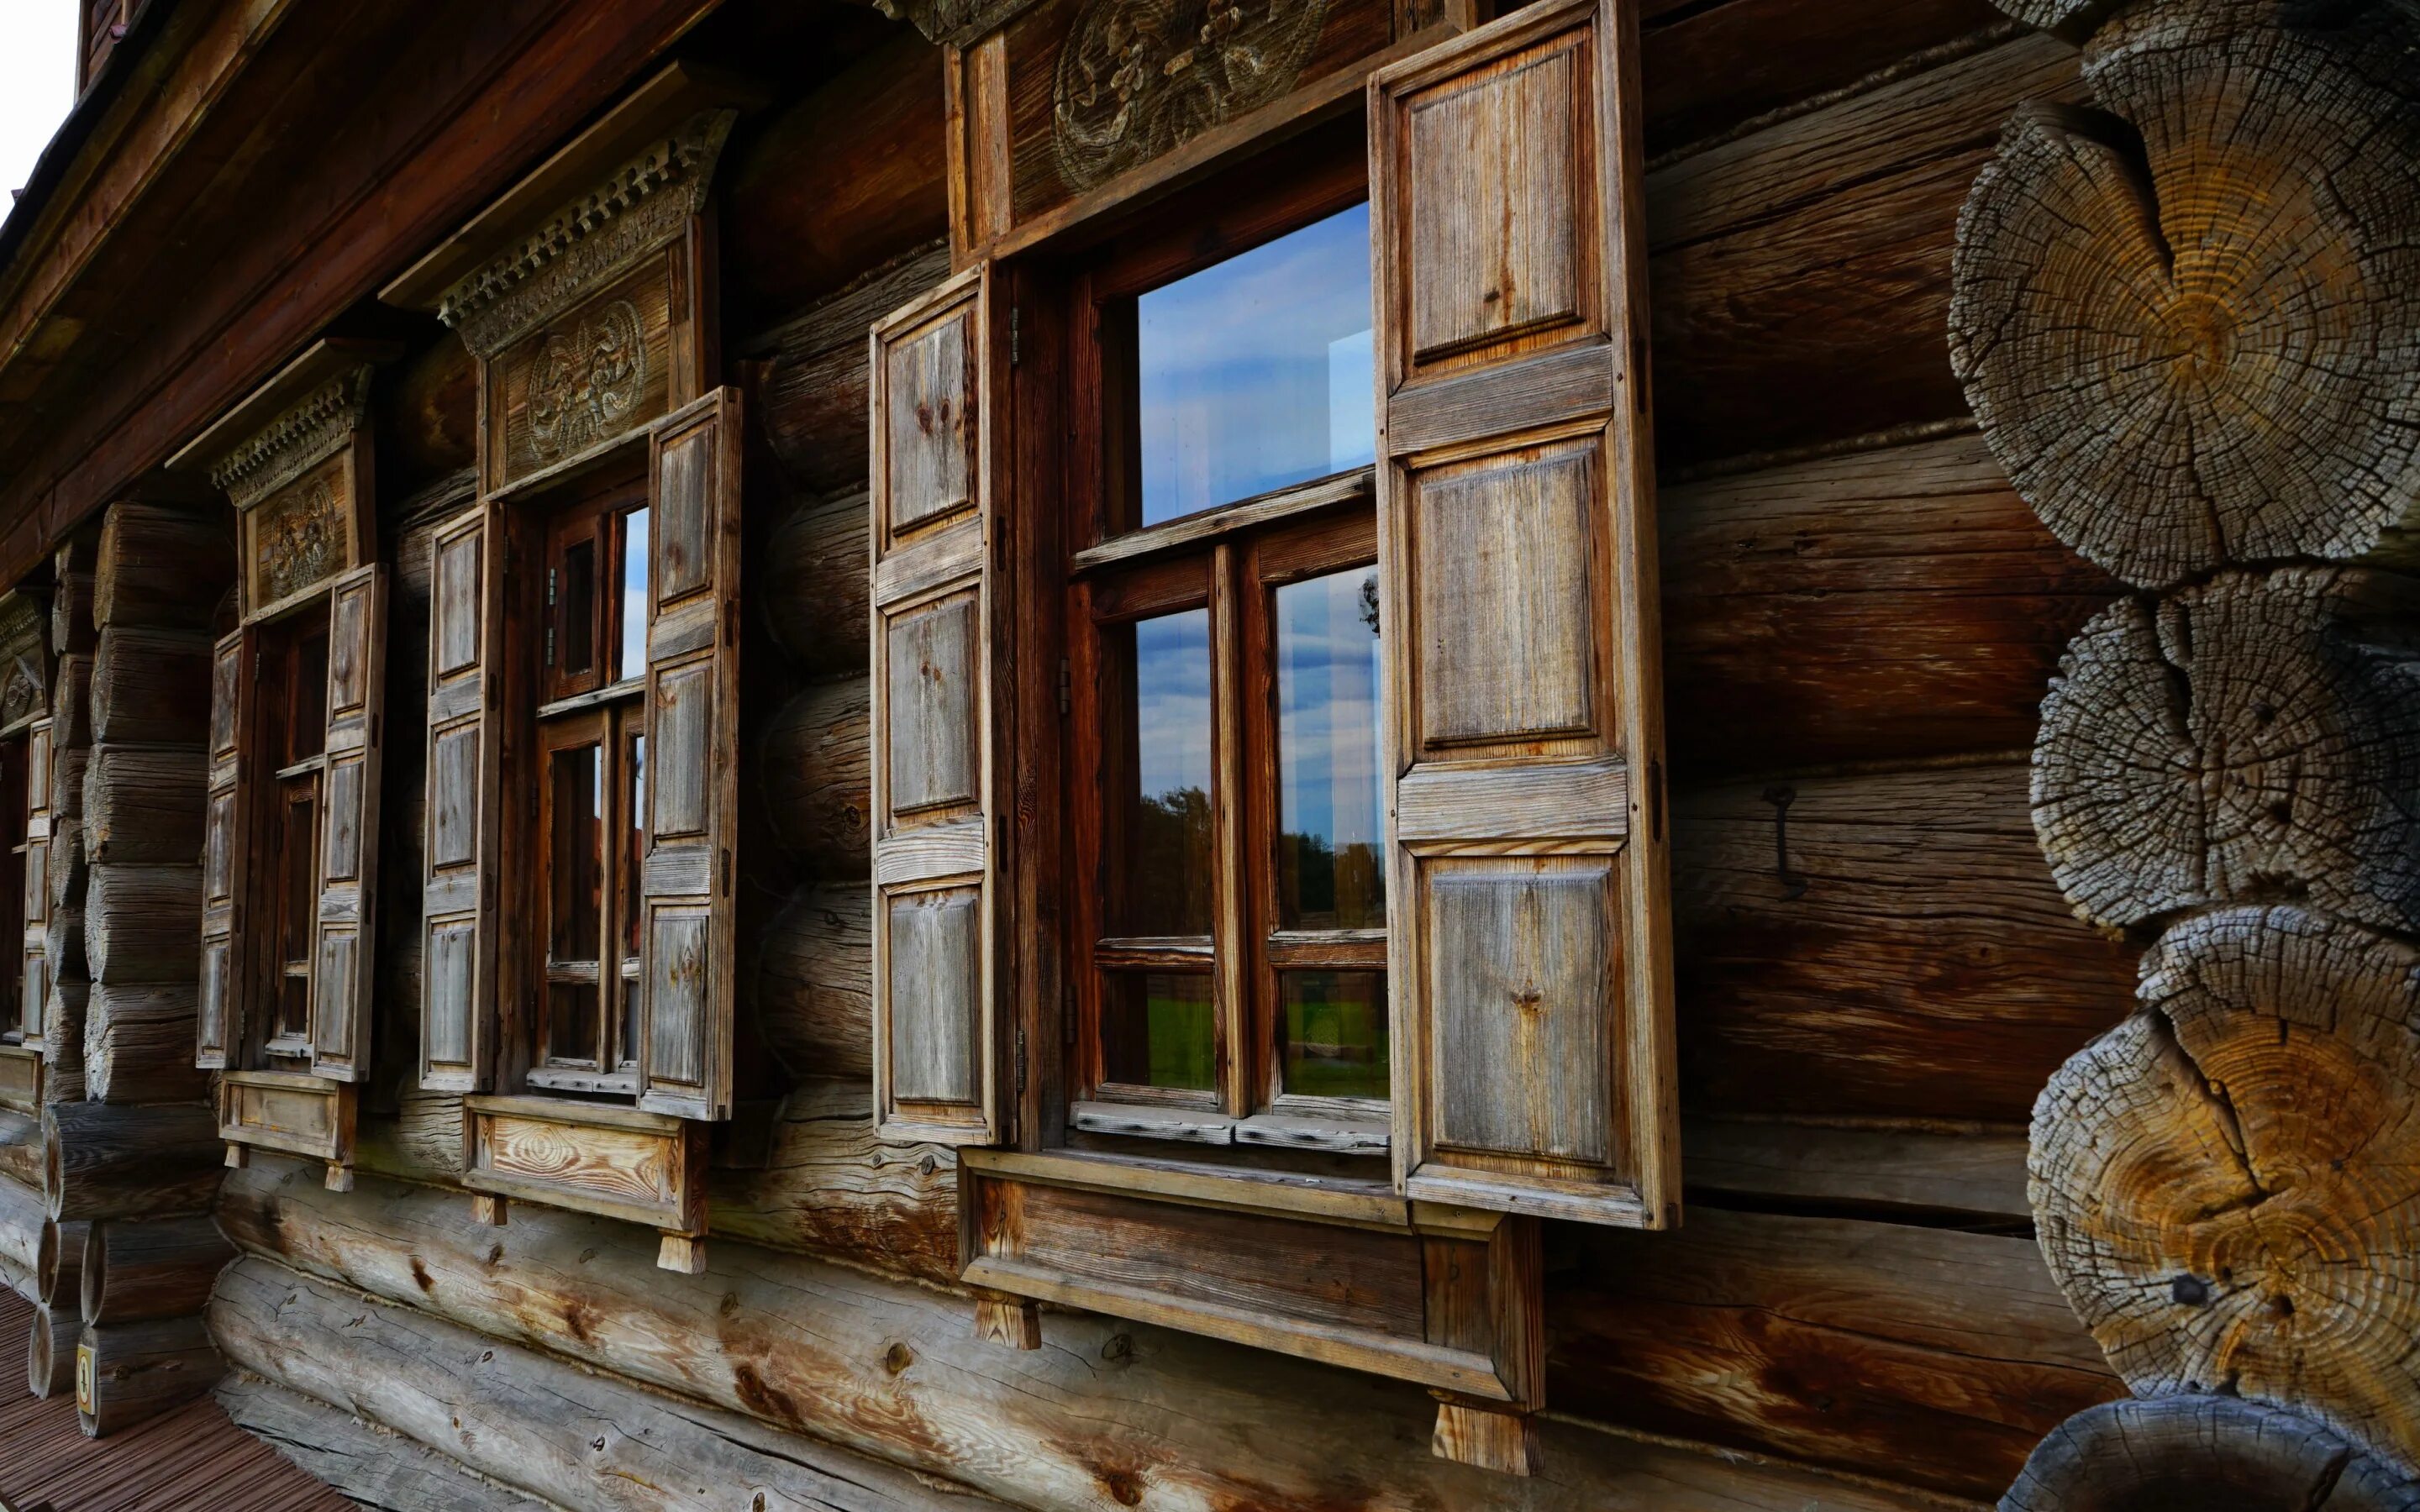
(1923, 1355)
(2254, 736)
(144, 803)
(816, 578)
(160, 567)
(2186, 317)
(375, 1466)
(144, 1161)
(135, 1269)
(140, 923)
(138, 1042)
(891, 1370)
(816, 391)
(151, 686)
(1978, 1175)
(50, 1351)
(815, 766)
(812, 989)
(2224, 1184)
(1906, 955)
(2201, 1451)
(1888, 605)
(829, 1187)
(130, 1373)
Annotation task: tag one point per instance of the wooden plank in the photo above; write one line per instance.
(1976, 1176)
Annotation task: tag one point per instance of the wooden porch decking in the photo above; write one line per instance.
(189, 1459)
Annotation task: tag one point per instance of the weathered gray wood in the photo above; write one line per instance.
(2202, 1451)
(814, 764)
(930, 672)
(59, 1279)
(344, 926)
(2223, 1183)
(138, 1042)
(827, 1186)
(812, 989)
(63, 1078)
(136, 1269)
(21, 1147)
(110, 1161)
(376, 1467)
(1979, 1175)
(50, 1351)
(891, 1369)
(22, 1218)
(2187, 323)
(533, 1421)
(137, 1371)
(63, 865)
(935, 957)
(815, 396)
(816, 577)
(457, 934)
(151, 688)
(2254, 736)
(141, 923)
(162, 567)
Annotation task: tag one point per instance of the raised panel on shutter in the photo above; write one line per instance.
(220, 1020)
(689, 935)
(341, 987)
(1530, 956)
(461, 826)
(941, 1029)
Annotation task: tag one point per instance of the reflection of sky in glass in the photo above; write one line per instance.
(1330, 820)
(1173, 703)
(634, 593)
(1256, 371)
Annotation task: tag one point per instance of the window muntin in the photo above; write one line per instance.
(1254, 374)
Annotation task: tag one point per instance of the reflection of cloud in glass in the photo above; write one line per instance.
(634, 593)
(1255, 373)
(1173, 703)
(1330, 820)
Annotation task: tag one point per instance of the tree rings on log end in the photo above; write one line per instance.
(2226, 1186)
(2188, 322)
(2214, 1452)
(2254, 739)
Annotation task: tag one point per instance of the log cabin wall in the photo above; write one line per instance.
(1877, 973)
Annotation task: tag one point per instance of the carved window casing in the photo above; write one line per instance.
(1117, 960)
(27, 670)
(290, 859)
(579, 936)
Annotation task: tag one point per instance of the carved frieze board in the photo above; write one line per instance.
(24, 658)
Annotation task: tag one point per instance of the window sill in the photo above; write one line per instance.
(1276, 1131)
(557, 1079)
(592, 1157)
(293, 1112)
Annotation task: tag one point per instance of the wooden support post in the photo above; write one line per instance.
(238, 1157)
(682, 1254)
(487, 1208)
(340, 1177)
(1011, 1320)
(1489, 1438)
(105, 1161)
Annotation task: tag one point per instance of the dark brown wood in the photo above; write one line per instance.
(2202, 1451)
(160, 567)
(815, 765)
(812, 988)
(141, 923)
(143, 804)
(827, 1186)
(130, 1373)
(152, 1162)
(136, 1269)
(59, 1276)
(151, 686)
(814, 390)
(815, 582)
(51, 1350)
(429, 415)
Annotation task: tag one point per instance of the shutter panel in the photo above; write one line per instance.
(341, 956)
(35, 982)
(939, 1024)
(220, 1022)
(1529, 938)
(688, 936)
(458, 952)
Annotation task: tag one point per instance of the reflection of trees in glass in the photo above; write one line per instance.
(1331, 888)
(1336, 1043)
(1169, 847)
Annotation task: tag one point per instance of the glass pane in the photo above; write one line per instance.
(1335, 1033)
(579, 853)
(1168, 884)
(1331, 820)
(1255, 373)
(634, 594)
(572, 1021)
(575, 613)
(1156, 1030)
(634, 848)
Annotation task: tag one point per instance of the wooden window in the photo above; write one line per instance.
(291, 669)
(17, 877)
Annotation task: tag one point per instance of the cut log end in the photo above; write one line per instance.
(2187, 322)
(2225, 1185)
(2198, 1451)
(51, 1352)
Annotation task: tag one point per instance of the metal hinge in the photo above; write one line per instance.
(259, 666)
(550, 645)
(1020, 1062)
(1013, 313)
(1066, 685)
(549, 588)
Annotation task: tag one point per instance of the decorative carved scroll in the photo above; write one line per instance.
(954, 23)
(1137, 79)
(24, 658)
(587, 381)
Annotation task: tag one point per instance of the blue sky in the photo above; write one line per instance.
(36, 81)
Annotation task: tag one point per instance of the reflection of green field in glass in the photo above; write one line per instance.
(1181, 1049)
(1335, 1033)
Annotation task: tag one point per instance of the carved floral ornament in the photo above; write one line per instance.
(587, 381)
(298, 541)
(1137, 79)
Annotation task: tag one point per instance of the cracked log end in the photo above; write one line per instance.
(2226, 1186)
(2187, 320)
(2201, 1452)
(2252, 739)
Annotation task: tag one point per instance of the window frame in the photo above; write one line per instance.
(266, 888)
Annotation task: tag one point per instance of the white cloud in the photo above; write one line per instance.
(37, 40)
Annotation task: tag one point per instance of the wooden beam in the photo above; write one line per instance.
(375, 1466)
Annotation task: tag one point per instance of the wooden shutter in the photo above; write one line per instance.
(221, 1022)
(1530, 957)
(939, 1023)
(341, 969)
(35, 980)
(687, 944)
(457, 955)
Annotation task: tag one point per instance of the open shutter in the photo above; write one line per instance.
(340, 975)
(1530, 954)
(939, 1023)
(686, 947)
(457, 955)
(35, 982)
(220, 1022)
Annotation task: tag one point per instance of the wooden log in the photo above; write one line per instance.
(21, 1217)
(1975, 1178)
(21, 1149)
(2202, 1451)
(1878, 945)
(2188, 320)
(1923, 1355)
(827, 1186)
(70, 971)
(62, 1046)
(64, 867)
(2248, 738)
(130, 1373)
(891, 1369)
(1890, 604)
(162, 567)
(812, 989)
(815, 585)
(101, 1160)
(2225, 1184)
(58, 1280)
(430, 413)
(67, 781)
(71, 701)
(73, 631)
(375, 1466)
(151, 688)
(144, 923)
(815, 383)
(2070, 19)
(135, 1269)
(51, 1350)
(138, 1042)
(814, 769)
(145, 804)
